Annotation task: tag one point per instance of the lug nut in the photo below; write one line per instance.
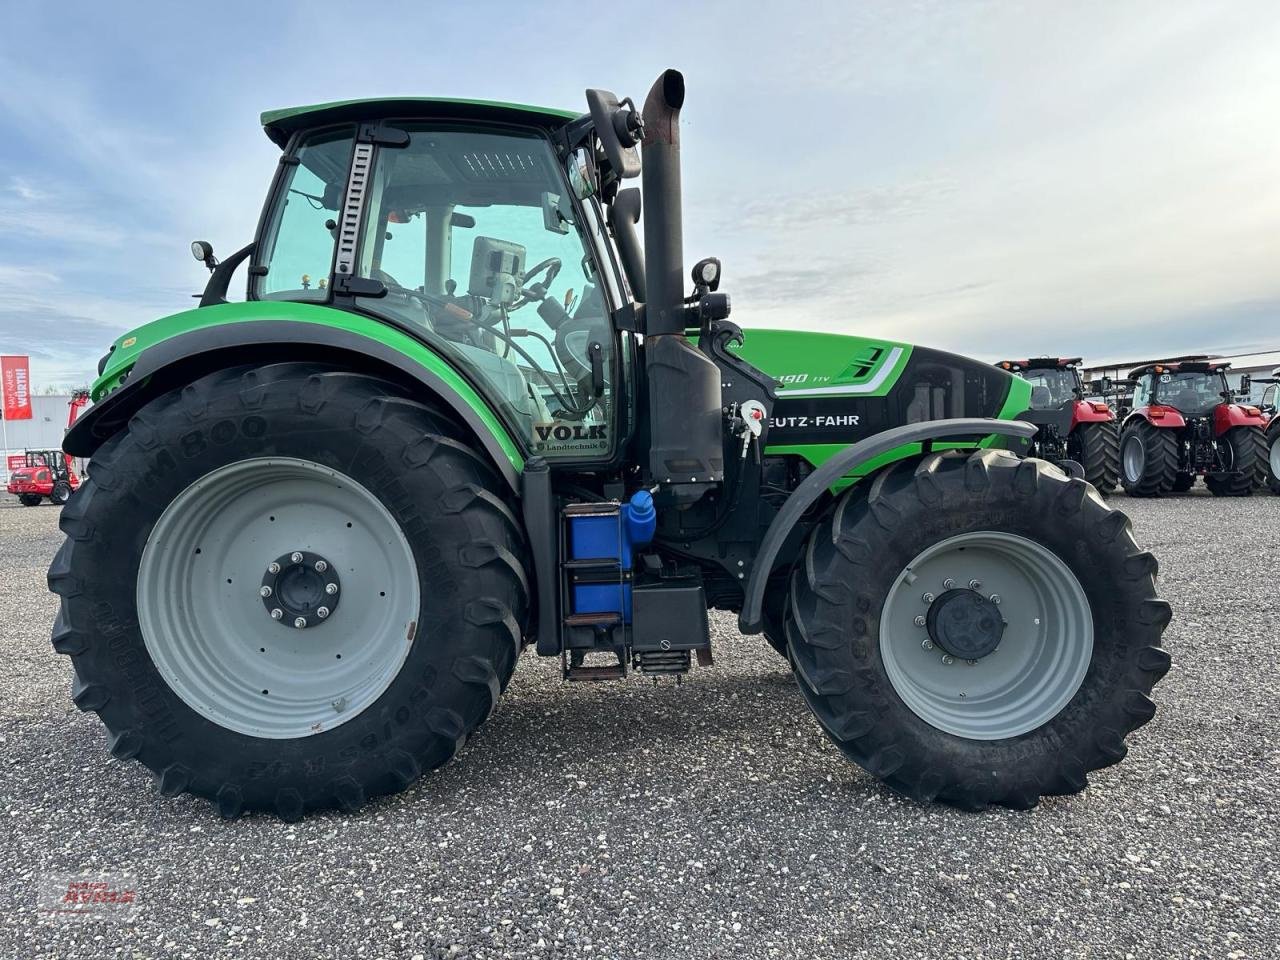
(971, 662)
(265, 591)
(331, 588)
(948, 583)
(927, 643)
(995, 598)
(277, 613)
(321, 566)
(300, 622)
(919, 621)
(948, 659)
(296, 557)
(273, 567)
(974, 584)
(927, 598)
(322, 612)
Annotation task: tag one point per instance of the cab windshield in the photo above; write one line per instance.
(1194, 392)
(1059, 387)
(481, 252)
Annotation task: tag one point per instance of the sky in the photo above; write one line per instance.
(996, 179)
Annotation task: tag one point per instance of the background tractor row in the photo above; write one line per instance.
(466, 408)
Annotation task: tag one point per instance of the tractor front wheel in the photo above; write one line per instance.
(61, 493)
(289, 588)
(1099, 453)
(977, 629)
(30, 499)
(1148, 460)
(1244, 452)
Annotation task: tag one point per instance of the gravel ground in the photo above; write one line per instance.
(709, 820)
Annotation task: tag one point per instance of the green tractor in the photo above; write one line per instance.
(466, 408)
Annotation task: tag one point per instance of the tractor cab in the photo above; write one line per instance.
(1271, 394)
(1055, 381)
(1193, 388)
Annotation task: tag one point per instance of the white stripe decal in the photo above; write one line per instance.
(871, 386)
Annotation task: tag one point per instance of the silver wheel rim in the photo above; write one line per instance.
(1274, 457)
(1042, 657)
(1133, 458)
(210, 633)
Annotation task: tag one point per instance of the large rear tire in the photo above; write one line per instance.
(948, 555)
(184, 544)
(1273, 456)
(1148, 460)
(1245, 452)
(1099, 445)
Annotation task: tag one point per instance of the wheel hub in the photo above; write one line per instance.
(965, 624)
(300, 589)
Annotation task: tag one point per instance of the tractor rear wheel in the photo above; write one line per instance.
(30, 499)
(1273, 457)
(1149, 460)
(1244, 451)
(977, 629)
(61, 493)
(289, 588)
(1099, 451)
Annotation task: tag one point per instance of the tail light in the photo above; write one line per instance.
(1099, 407)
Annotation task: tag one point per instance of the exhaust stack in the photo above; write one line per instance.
(686, 435)
(663, 225)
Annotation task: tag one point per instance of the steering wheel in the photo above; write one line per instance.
(536, 291)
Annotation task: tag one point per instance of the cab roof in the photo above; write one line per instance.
(280, 124)
(1180, 366)
(1040, 363)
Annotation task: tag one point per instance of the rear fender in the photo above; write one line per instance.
(848, 461)
(1227, 416)
(266, 333)
(1157, 416)
(1083, 411)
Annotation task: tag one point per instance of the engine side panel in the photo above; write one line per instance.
(836, 390)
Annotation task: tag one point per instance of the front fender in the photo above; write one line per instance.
(172, 352)
(751, 619)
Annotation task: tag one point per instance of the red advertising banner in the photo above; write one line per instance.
(16, 461)
(15, 388)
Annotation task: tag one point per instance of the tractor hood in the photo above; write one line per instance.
(834, 390)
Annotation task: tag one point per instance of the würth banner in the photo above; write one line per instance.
(15, 387)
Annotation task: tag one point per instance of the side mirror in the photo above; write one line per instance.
(202, 250)
(619, 126)
(1246, 385)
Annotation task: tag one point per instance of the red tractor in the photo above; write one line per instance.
(48, 473)
(1070, 427)
(1185, 424)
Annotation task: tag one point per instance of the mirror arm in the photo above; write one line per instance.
(220, 279)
